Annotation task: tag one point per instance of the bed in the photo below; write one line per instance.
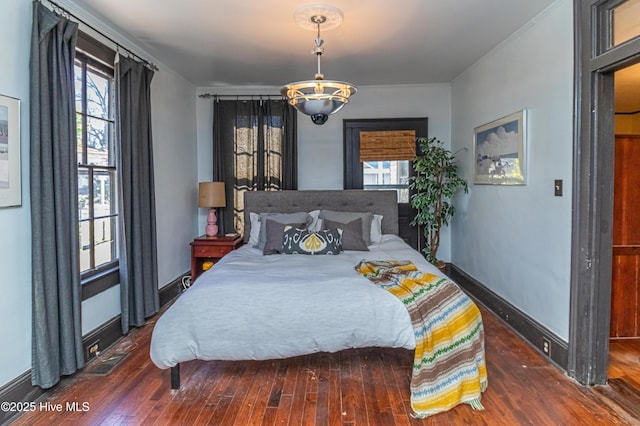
(252, 306)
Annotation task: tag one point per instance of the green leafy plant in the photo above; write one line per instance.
(435, 182)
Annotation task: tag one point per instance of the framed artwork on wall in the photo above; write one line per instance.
(10, 192)
(499, 151)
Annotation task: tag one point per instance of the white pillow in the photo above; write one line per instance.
(316, 224)
(376, 229)
(254, 232)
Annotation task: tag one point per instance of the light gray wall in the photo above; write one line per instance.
(517, 240)
(176, 180)
(174, 133)
(15, 222)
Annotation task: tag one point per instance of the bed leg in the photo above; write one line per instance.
(175, 377)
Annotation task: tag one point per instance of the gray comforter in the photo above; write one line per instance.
(253, 307)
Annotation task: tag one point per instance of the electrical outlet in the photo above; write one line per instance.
(546, 348)
(93, 349)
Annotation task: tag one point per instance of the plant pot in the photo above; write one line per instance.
(440, 265)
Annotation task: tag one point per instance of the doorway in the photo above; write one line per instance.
(607, 39)
(624, 343)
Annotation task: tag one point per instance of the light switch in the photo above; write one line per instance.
(557, 187)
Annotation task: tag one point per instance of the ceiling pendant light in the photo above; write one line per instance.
(318, 98)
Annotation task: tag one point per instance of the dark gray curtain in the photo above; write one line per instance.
(254, 148)
(56, 323)
(136, 194)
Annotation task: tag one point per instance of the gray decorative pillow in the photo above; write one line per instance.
(275, 236)
(303, 241)
(351, 234)
(346, 217)
(284, 218)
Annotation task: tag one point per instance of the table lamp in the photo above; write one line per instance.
(211, 195)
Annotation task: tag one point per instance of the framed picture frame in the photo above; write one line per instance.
(10, 185)
(499, 151)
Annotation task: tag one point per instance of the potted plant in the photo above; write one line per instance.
(435, 182)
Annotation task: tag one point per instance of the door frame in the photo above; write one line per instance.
(592, 213)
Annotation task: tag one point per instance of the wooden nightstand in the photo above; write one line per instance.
(210, 249)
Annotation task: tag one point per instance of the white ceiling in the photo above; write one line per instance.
(258, 43)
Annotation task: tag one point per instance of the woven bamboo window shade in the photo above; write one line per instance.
(388, 145)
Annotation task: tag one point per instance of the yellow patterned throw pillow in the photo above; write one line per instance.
(303, 241)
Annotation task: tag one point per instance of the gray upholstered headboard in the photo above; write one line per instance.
(351, 200)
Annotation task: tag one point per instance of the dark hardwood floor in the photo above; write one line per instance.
(353, 387)
(623, 388)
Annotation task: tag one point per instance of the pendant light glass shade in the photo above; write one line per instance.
(318, 98)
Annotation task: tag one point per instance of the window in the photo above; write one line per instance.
(625, 23)
(255, 144)
(393, 174)
(97, 173)
(386, 159)
(377, 156)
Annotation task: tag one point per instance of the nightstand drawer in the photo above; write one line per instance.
(211, 251)
(207, 249)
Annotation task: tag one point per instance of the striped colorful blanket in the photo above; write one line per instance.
(449, 365)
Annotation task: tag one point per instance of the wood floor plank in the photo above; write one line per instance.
(322, 400)
(334, 397)
(350, 388)
(376, 396)
(259, 398)
(357, 385)
(299, 393)
(347, 389)
(283, 412)
(241, 405)
(394, 394)
(309, 408)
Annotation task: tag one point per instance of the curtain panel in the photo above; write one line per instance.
(56, 316)
(136, 194)
(254, 149)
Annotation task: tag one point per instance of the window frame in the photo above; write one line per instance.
(352, 166)
(101, 59)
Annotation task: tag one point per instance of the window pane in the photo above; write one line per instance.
(79, 133)
(79, 88)
(379, 175)
(98, 142)
(85, 246)
(102, 193)
(626, 21)
(97, 95)
(104, 238)
(83, 194)
(403, 195)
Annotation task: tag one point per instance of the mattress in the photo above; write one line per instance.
(255, 307)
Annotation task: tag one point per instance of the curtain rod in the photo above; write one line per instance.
(216, 96)
(118, 45)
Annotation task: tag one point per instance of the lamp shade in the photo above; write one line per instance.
(211, 194)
